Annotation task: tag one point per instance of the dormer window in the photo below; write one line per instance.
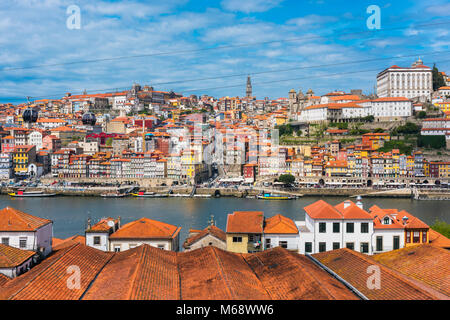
(386, 220)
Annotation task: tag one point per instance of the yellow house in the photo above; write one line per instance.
(23, 155)
(244, 231)
(444, 106)
(336, 168)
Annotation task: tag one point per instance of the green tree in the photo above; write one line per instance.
(421, 115)
(438, 78)
(441, 227)
(286, 178)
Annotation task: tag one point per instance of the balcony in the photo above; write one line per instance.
(254, 247)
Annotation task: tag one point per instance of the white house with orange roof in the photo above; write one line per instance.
(328, 227)
(97, 235)
(24, 231)
(280, 231)
(145, 231)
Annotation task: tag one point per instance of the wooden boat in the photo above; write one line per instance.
(269, 196)
(35, 194)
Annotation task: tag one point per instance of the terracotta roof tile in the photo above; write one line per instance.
(245, 222)
(322, 210)
(145, 228)
(353, 266)
(200, 234)
(15, 220)
(279, 224)
(11, 257)
(426, 263)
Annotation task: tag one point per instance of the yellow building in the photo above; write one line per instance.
(23, 156)
(244, 231)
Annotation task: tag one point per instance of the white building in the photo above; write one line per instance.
(107, 237)
(5, 166)
(329, 228)
(97, 236)
(412, 82)
(14, 262)
(280, 231)
(35, 139)
(23, 231)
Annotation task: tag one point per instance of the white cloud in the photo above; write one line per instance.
(248, 6)
(311, 21)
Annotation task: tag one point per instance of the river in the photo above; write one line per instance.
(69, 214)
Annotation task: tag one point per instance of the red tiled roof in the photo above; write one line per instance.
(322, 210)
(425, 263)
(279, 224)
(352, 211)
(145, 228)
(200, 234)
(245, 222)
(11, 257)
(353, 266)
(15, 220)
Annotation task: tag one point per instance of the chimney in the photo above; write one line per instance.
(405, 220)
(88, 223)
(359, 202)
(120, 220)
(346, 204)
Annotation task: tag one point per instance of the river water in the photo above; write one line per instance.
(69, 214)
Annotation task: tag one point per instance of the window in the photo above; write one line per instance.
(308, 247)
(416, 236)
(364, 227)
(161, 246)
(322, 247)
(237, 239)
(396, 242)
(379, 246)
(386, 220)
(424, 237)
(268, 243)
(336, 245)
(5, 241)
(364, 247)
(408, 236)
(97, 240)
(116, 248)
(251, 238)
(22, 242)
(336, 227)
(350, 245)
(350, 227)
(283, 244)
(322, 227)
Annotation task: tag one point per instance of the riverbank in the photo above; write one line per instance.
(243, 192)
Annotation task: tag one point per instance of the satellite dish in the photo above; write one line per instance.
(111, 223)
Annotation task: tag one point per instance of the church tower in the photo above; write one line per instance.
(248, 92)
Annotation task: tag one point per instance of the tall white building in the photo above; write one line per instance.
(412, 82)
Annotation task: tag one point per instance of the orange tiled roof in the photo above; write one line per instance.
(353, 266)
(322, 210)
(200, 234)
(145, 228)
(425, 263)
(279, 224)
(352, 211)
(15, 220)
(245, 222)
(11, 257)
(439, 240)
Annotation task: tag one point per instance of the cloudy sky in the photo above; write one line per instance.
(175, 44)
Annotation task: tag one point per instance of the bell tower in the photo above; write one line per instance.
(249, 91)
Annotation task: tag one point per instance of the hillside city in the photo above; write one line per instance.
(148, 143)
(399, 136)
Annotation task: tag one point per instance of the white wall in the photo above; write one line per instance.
(104, 240)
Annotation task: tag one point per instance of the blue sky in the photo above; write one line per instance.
(34, 33)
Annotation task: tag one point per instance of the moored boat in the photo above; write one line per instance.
(24, 194)
(142, 194)
(113, 195)
(269, 196)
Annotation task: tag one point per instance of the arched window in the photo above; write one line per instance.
(386, 220)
